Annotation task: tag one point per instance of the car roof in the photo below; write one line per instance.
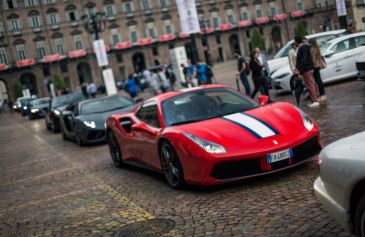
(101, 98)
(168, 95)
(332, 32)
(335, 40)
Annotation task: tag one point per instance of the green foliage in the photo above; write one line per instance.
(301, 29)
(18, 92)
(258, 40)
(58, 82)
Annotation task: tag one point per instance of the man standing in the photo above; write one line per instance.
(91, 89)
(263, 60)
(242, 72)
(304, 67)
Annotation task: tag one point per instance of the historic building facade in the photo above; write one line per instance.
(41, 38)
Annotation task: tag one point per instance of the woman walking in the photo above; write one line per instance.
(318, 64)
(258, 75)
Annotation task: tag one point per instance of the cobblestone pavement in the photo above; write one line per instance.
(49, 187)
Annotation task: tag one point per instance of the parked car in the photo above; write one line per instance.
(84, 122)
(280, 59)
(37, 106)
(16, 106)
(360, 66)
(188, 136)
(24, 105)
(340, 186)
(56, 106)
(340, 54)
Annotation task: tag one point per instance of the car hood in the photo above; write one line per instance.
(100, 118)
(40, 107)
(279, 73)
(277, 63)
(258, 130)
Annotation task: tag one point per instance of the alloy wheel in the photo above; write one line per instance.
(171, 166)
(114, 150)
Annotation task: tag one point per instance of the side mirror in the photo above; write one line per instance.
(263, 100)
(142, 127)
(329, 54)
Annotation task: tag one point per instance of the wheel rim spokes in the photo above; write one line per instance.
(113, 148)
(171, 171)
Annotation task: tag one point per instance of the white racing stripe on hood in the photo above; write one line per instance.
(254, 126)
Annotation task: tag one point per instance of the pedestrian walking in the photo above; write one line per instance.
(304, 67)
(318, 64)
(131, 86)
(258, 75)
(296, 84)
(92, 89)
(84, 90)
(151, 80)
(187, 76)
(201, 73)
(210, 75)
(170, 75)
(263, 60)
(242, 69)
(163, 81)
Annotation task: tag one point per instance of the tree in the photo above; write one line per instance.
(58, 83)
(18, 92)
(257, 40)
(301, 29)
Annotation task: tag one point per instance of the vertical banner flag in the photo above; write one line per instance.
(341, 8)
(188, 15)
(109, 82)
(101, 56)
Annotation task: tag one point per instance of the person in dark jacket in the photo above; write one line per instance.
(304, 67)
(258, 75)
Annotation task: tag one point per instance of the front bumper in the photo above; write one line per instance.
(93, 136)
(231, 169)
(336, 210)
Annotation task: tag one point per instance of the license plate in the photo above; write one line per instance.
(280, 155)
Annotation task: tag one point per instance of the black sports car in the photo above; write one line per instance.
(56, 106)
(84, 122)
(37, 106)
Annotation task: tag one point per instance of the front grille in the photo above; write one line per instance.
(234, 169)
(94, 135)
(242, 168)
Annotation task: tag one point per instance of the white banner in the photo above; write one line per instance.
(109, 81)
(26, 93)
(100, 51)
(189, 20)
(178, 56)
(341, 7)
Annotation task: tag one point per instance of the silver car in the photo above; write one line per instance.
(341, 184)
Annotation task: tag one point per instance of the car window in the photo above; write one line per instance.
(148, 114)
(341, 46)
(284, 51)
(105, 104)
(360, 41)
(323, 39)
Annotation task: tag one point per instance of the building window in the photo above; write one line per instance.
(244, 14)
(21, 54)
(230, 16)
(299, 5)
(155, 51)
(35, 22)
(49, 1)
(128, 7)
(41, 49)
(14, 25)
(151, 30)
(71, 15)
(133, 34)
(9, 4)
(63, 66)
(3, 56)
(168, 28)
(1, 29)
(119, 57)
(258, 11)
(273, 9)
(110, 10)
(164, 3)
(115, 36)
(53, 19)
(29, 3)
(59, 46)
(78, 42)
(46, 71)
(218, 39)
(90, 11)
(145, 4)
(215, 19)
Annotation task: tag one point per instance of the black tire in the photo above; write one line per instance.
(55, 126)
(171, 166)
(360, 217)
(115, 151)
(47, 125)
(79, 140)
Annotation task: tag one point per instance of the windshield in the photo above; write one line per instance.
(204, 104)
(105, 104)
(61, 100)
(323, 48)
(39, 102)
(284, 51)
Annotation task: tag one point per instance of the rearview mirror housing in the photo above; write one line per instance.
(263, 100)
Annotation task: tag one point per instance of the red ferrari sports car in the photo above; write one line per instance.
(212, 134)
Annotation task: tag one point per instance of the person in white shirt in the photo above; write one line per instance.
(91, 89)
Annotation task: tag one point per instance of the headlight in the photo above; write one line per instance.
(57, 112)
(25, 107)
(306, 120)
(208, 146)
(90, 124)
(34, 110)
(14, 106)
